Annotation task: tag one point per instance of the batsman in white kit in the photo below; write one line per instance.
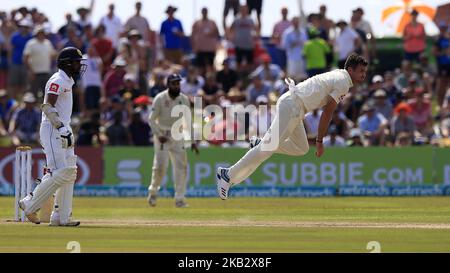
(58, 143)
(286, 134)
(161, 121)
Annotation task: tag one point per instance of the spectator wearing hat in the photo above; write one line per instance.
(382, 104)
(421, 112)
(243, 30)
(402, 122)
(132, 49)
(441, 51)
(38, 56)
(414, 37)
(333, 139)
(172, 35)
(355, 138)
(25, 122)
(227, 77)
(85, 14)
(269, 72)
(104, 47)
(315, 52)
(204, 41)
(347, 42)
(113, 26)
(113, 80)
(142, 104)
(129, 89)
(17, 73)
(372, 125)
(139, 23)
(293, 40)
(91, 82)
(277, 34)
(376, 84)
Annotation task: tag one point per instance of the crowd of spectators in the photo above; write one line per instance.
(128, 62)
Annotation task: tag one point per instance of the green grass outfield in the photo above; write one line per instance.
(339, 224)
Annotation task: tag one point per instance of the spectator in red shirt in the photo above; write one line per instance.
(421, 111)
(103, 46)
(414, 38)
(113, 81)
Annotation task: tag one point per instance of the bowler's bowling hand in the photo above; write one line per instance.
(319, 149)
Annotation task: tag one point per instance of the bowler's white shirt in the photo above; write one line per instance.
(314, 91)
(60, 84)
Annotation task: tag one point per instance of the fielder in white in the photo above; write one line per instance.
(58, 143)
(286, 134)
(165, 146)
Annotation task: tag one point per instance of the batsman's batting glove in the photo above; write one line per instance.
(67, 139)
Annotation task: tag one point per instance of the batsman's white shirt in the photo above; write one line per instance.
(314, 91)
(60, 84)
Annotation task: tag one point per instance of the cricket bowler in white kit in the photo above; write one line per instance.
(165, 146)
(58, 143)
(286, 134)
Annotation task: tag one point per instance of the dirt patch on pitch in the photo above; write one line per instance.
(247, 223)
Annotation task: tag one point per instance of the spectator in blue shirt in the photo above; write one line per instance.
(257, 88)
(25, 122)
(172, 35)
(372, 125)
(17, 80)
(441, 52)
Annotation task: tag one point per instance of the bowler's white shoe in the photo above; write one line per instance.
(32, 216)
(254, 141)
(223, 182)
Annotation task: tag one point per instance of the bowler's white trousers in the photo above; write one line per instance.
(286, 135)
(173, 149)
